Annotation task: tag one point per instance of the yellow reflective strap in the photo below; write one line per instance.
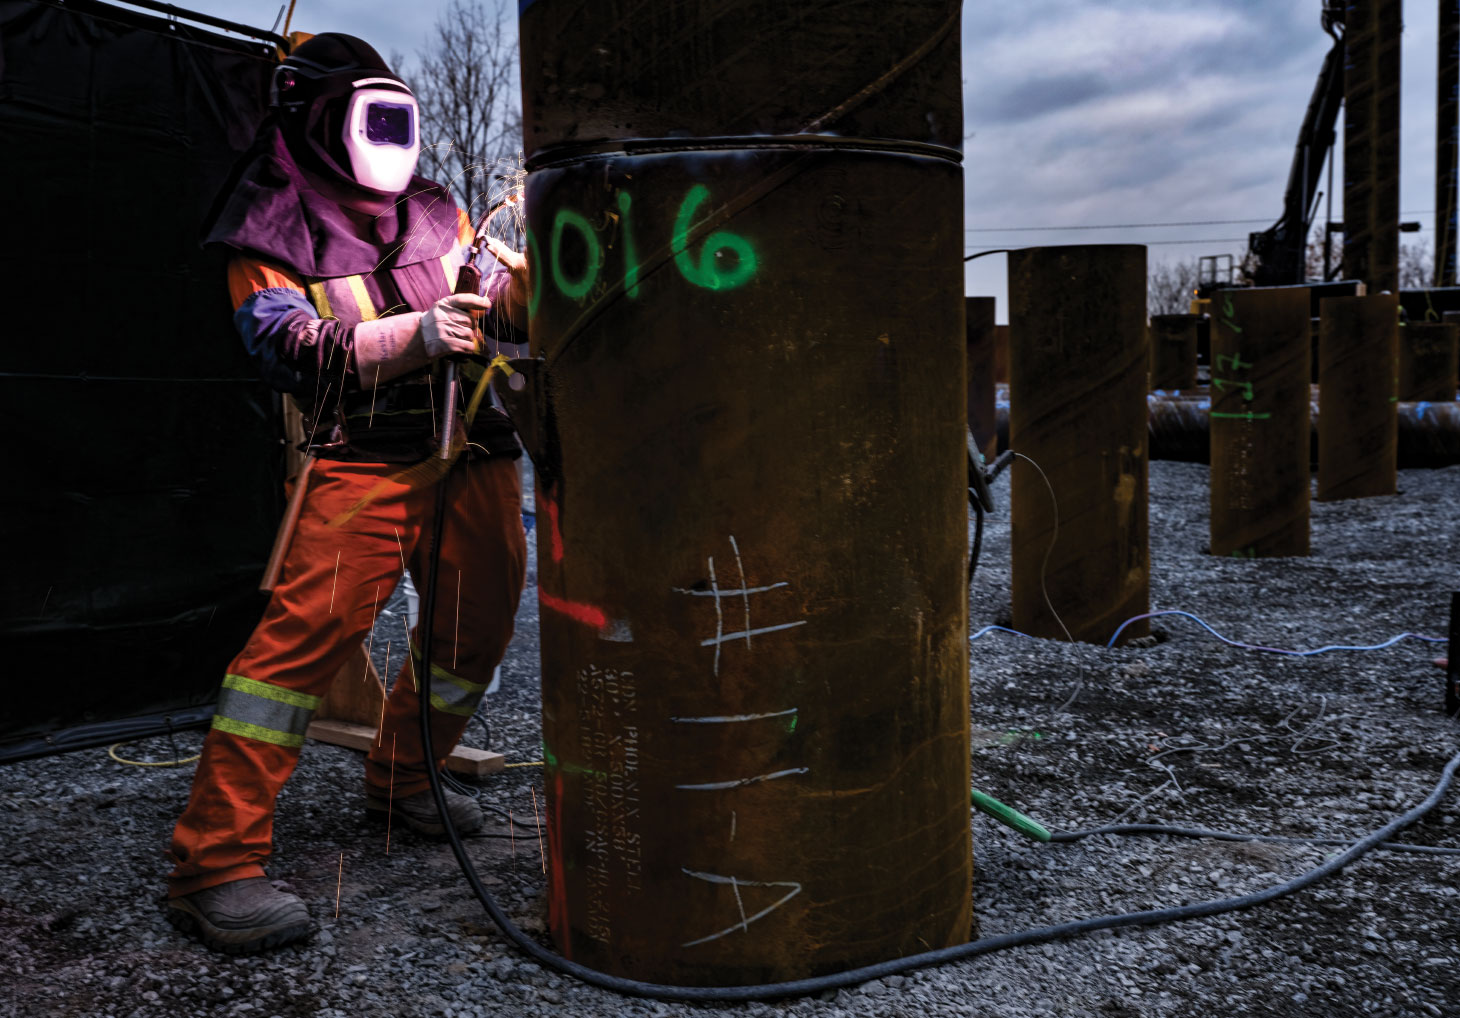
(448, 266)
(465, 710)
(320, 299)
(362, 298)
(270, 692)
(258, 732)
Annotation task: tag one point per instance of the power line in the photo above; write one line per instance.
(1136, 226)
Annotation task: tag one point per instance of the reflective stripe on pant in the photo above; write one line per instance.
(332, 586)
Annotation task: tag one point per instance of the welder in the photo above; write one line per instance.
(343, 264)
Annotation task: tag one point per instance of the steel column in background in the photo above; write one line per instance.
(1259, 422)
(1371, 143)
(1001, 354)
(1447, 121)
(1077, 408)
(1173, 351)
(1358, 423)
(979, 330)
(1427, 361)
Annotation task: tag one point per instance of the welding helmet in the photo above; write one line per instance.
(344, 111)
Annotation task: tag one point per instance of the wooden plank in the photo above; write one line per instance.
(474, 763)
(356, 694)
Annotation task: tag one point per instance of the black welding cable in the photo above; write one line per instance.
(1272, 839)
(851, 977)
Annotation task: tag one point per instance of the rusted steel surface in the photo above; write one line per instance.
(1173, 352)
(979, 315)
(596, 70)
(1357, 420)
(752, 539)
(1001, 354)
(1259, 422)
(1447, 146)
(1077, 407)
(1371, 143)
(1428, 361)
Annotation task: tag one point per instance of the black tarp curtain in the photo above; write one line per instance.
(142, 473)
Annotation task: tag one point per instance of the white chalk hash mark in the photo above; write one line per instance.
(730, 593)
(715, 786)
(719, 615)
(728, 718)
(744, 923)
(735, 883)
(727, 637)
(746, 597)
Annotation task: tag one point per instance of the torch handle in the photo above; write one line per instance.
(468, 280)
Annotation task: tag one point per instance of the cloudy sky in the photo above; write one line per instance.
(1094, 113)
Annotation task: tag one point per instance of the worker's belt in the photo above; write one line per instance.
(262, 711)
(397, 423)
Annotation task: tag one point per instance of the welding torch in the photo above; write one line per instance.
(468, 280)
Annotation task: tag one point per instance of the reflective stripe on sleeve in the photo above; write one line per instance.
(262, 711)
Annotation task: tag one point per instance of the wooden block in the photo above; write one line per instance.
(356, 693)
(342, 733)
(474, 763)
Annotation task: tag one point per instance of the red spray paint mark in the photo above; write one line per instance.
(585, 613)
(557, 876)
(555, 533)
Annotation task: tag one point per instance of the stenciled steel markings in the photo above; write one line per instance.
(1259, 422)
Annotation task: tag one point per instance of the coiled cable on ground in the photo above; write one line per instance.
(851, 977)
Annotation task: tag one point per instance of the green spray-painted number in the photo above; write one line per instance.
(575, 288)
(631, 255)
(709, 272)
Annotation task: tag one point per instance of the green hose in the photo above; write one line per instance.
(1008, 816)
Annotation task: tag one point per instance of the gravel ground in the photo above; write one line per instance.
(1186, 730)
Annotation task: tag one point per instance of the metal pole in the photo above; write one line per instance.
(1447, 117)
(1077, 408)
(979, 312)
(1358, 423)
(1371, 143)
(1259, 422)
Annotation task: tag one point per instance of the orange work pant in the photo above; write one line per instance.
(334, 581)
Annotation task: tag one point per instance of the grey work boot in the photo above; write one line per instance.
(241, 917)
(419, 813)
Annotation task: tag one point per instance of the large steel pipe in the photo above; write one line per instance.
(1077, 396)
(751, 482)
(1259, 422)
(979, 312)
(1428, 361)
(1357, 421)
(1371, 142)
(1447, 144)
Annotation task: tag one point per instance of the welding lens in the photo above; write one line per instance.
(388, 123)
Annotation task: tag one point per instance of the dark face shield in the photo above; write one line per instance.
(388, 123)
(382, 138)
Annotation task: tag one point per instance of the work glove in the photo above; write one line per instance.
(448, 327)
(389, 347)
